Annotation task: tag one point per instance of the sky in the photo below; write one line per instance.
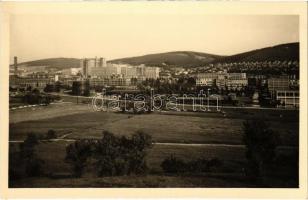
(35, 37)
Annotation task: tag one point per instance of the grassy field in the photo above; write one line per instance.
(153, 181)
(231, 173)
(78, 121)
(46, 112)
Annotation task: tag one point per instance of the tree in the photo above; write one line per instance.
(106, 152)
(29, 88)
(87, 88)
(77, 155)
(112, 155)
(173, 165)
(140, 143)
(121, 155)
(51, 134)
(260, 143)
(33, 164)
(49, 88)
(58, 86)
(76, 88)
(176, 165)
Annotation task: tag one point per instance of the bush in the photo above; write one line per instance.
(290, 161)
(51, 134)
(173, 165)
(176, 165)
(199, 165)
(34, 166)
(15, 166)
(214, 163)
(77, 155)
(36, 97)
(113, 156)
(28, 156)
(31, 140)
(121, 155)
(261, 144)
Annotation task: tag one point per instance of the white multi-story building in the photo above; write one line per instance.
(280, 83)
(151, 72)
(206, 79)
(89, 64)
(71, 71)
(222, 79)
(237, 80)
(210, 79)
(98, 68)
(288, 97)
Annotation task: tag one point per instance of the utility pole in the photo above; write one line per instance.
(208, 99)
(285, 99)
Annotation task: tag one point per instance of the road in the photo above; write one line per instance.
(241, 146)
(186, 106)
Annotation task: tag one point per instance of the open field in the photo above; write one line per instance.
(79, 121)
(46, 112)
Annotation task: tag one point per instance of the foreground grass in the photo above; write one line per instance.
(78, 121)
(53, 154)
(230, 174)
(156, 181)
(81, 122)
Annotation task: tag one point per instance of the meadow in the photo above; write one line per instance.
(221, 134)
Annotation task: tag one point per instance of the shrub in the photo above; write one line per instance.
(260, 143)
(215, 162)
(27, 147)
(112, 155)
(51, 134)
(290, 161)
(77, 155)
(31, 139)
(34, 166)
(121, 155)
(173, 165)
(200, 165)
(15, 166)
(28, 156)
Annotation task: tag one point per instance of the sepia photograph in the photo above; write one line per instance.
(154, 100)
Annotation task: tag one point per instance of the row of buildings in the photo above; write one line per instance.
(38, 80)
(222, 80)
(96, 70)
(99, 72)
(284, 89)
(276, 67)
(99, 68)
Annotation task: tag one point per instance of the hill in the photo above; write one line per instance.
(176, 58)
(60, 63)
(281, 52)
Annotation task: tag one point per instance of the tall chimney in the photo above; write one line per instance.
(15, 65)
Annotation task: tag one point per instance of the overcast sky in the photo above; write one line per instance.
(115, 36)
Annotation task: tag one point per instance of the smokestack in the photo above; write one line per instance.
(15, 65)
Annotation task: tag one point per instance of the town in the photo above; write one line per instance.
(236, 84)
(185, 124)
